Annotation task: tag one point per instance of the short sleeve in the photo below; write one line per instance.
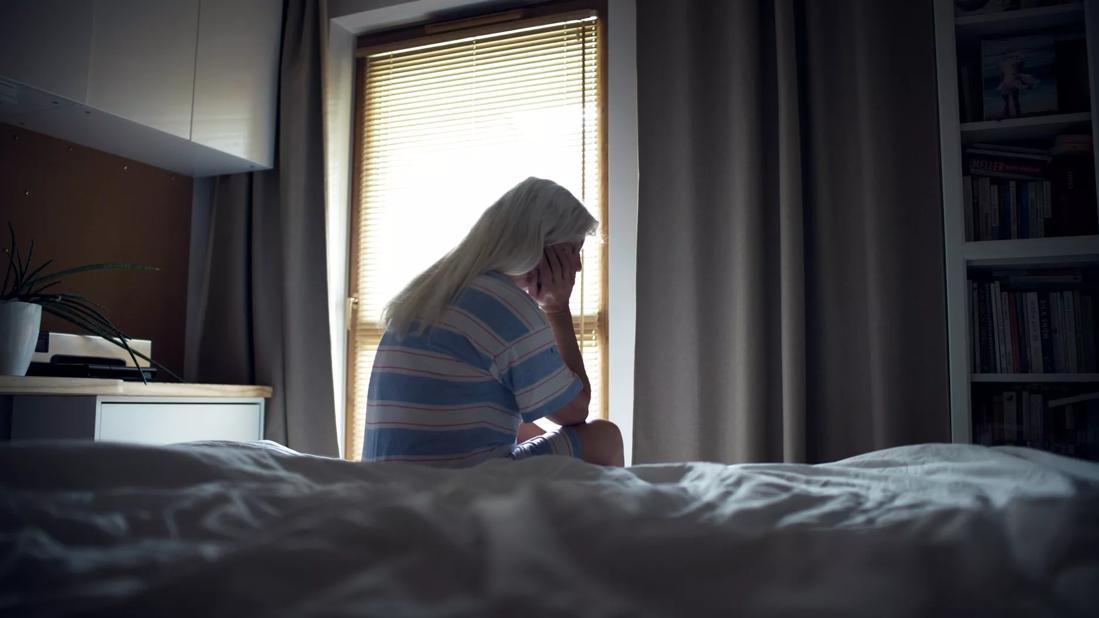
(533, 370)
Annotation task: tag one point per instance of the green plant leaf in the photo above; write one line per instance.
(33, 293)
(7, 277)
(29, 282)
(27, 264)
(89, 267)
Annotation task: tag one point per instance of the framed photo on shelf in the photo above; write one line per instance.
(1019, 77)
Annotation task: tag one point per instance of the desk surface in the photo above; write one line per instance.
(19, 385)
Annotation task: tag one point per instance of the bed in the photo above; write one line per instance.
(232, 529)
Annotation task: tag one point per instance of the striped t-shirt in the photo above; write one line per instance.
(455, 394)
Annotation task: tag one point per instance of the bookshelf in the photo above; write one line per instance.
(1064, 253)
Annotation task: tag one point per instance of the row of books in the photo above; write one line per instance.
(1031, 331)
(1012, 191)
(998, 209)
(1068, 425)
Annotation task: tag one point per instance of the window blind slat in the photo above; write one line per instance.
(442, 66)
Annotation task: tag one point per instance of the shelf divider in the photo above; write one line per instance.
(1027, 378)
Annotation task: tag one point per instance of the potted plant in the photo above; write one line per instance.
(27, 292)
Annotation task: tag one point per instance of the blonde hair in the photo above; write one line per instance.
(509, 237)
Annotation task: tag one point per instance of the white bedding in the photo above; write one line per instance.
(232, 529)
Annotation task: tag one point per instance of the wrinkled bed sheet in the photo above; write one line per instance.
(256, 529)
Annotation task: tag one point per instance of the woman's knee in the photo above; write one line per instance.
(602, 443)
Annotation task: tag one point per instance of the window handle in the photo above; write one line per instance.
(349, 311)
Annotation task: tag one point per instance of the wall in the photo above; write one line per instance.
(81, 205)
(339, 67)
(622, 212)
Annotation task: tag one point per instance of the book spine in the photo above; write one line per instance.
(1069, 309)
(987, 348)
(1056, 331)
(1035, 211)
(983, 190)
(1024, 210)
(974, 328)
(1022, 342)
(988, 165)
(1013, 331)
(1047, 345)
(997, 332)
(994, 210)
(1034, 332)
(1012, 209)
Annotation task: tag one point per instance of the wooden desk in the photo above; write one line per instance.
(36, 408)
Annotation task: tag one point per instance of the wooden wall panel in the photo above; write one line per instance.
(82, 205)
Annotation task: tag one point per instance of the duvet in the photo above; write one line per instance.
(231, 529)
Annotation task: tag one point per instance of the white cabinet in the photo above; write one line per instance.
(143, 62)
(187, 85)
(164, 423)
(46, 43)
(145, 420)
(236, 73)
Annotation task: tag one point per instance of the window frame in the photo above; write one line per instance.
(440, 32)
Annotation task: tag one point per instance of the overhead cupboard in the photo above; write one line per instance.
(1017, 105)
(188, 85)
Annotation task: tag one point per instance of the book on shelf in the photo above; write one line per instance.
(1022, 324)
(1002, 209)
(1046, 417)
(1072, 181)
(1012, 192)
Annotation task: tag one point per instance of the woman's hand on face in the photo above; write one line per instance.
(555, 277)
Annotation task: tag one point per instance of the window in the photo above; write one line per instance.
(445, 125)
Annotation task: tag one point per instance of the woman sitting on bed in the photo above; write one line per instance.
(481, 344)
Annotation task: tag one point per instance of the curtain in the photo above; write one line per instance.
(790, 290)
(264, 316)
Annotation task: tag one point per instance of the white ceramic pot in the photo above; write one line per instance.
(18, 333)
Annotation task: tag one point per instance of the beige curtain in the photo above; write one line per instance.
(264, 316)
(790, 278)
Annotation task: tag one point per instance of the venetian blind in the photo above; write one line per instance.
(447, 127)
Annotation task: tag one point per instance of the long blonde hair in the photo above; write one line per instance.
(508, 238)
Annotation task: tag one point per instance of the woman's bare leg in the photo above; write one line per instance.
(528, 431)
(601, 442)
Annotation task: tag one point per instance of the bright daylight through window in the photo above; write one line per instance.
(444, 128)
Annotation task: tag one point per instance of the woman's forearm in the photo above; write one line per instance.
(565, 336)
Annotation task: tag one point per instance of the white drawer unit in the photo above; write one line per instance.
(184, 414)
(164, 423)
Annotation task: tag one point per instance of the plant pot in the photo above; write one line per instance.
(18, 334)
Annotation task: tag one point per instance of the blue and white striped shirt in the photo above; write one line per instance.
(455, 394)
